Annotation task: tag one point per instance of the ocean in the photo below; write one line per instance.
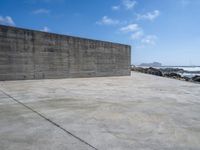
(189, 68)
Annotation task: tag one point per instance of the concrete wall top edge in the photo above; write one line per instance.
(62, 35)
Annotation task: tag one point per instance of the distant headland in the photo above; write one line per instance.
(158, 64)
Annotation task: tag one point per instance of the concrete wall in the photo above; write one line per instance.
(28, 54)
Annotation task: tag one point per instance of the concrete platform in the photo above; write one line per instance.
(141, 112)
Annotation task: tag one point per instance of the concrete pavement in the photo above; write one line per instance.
(140, 112)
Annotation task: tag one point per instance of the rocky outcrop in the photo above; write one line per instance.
(166, 72)
(150, 70)
(186, 78)
(176, 76)
(172, 70)
(196, 79)
(172, 75)
(154, 71)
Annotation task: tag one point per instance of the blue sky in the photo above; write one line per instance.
(167, 31)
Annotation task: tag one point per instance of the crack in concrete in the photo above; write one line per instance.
(47, 119)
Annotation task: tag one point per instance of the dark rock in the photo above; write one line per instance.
(154, 71)
(196, 78)
(166, 72)
(172, 75)
(176, 76)
(150, 70)
(186, 78)
(170, 70)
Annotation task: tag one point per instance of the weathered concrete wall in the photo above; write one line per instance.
(28, 54)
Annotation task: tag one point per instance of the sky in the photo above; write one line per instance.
(166, 31)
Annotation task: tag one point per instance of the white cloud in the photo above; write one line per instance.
(130, 28)
(137, 35)
(149, 16)
(149, 40)
(115, 7)
(7, 21)
(129, 4)
(45, 29)
(108, 21)
(41, 11)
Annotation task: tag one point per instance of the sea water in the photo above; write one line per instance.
(189, 68)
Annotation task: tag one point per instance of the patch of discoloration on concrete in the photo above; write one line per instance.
(138, 112)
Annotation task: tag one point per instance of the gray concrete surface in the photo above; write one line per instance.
(29, 54)
(141, 112)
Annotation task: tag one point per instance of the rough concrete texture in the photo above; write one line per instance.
(28, 54)
(141, 112)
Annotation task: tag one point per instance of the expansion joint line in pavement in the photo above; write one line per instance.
(47, 119)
